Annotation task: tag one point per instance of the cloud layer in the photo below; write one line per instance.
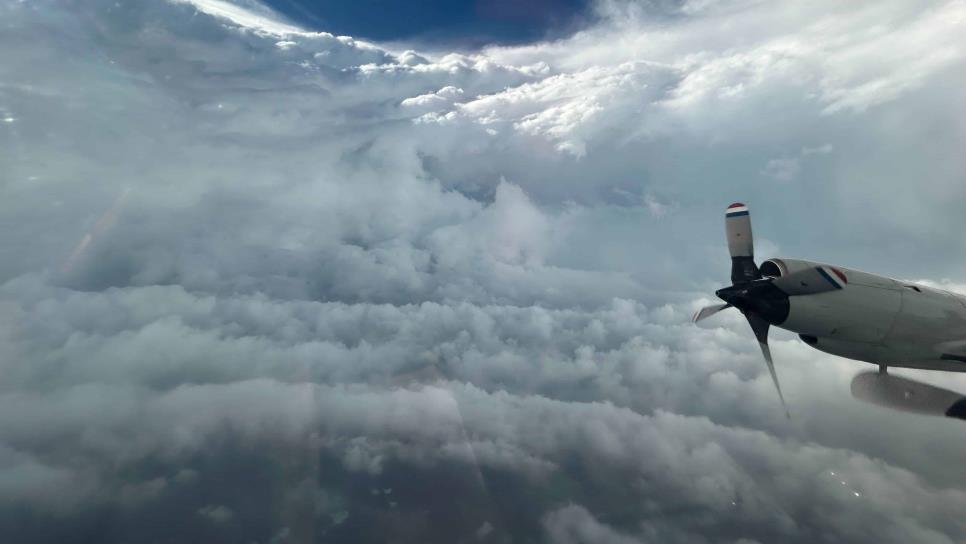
(272, 285)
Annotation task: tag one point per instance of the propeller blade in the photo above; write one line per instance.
(811, 281)
(708, 311)
(760, 327)
(741, 244)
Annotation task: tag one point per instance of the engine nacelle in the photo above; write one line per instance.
(859, 307)
(776, 268)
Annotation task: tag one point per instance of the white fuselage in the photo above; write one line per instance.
(881, 321)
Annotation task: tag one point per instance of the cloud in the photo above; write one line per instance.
(782, 169)
(729, 474)
(252, 16)
(254, 276)
(560, 107)
(217, 513)
(434, 101)
(574, 524)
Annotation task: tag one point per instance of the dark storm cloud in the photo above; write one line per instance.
(735, 482)
(273, 285)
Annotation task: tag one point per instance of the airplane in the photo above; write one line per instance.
(840, 311)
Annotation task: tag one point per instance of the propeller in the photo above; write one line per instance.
(760, 327)
(763, 301)
(708, 311)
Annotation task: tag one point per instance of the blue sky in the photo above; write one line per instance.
(460, 21)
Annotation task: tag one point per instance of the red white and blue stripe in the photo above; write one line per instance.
(736, 210)
(833, 275)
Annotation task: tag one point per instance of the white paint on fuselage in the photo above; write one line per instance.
(882, 321)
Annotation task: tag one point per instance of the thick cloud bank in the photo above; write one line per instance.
(259, 284)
